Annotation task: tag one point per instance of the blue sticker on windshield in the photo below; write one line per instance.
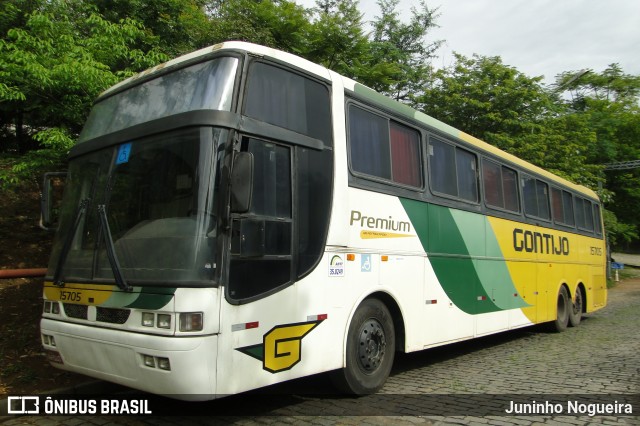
(123, 153)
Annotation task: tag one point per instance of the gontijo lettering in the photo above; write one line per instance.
(536, 242)
(379, 223)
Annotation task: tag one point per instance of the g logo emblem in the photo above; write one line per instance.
(281, 347)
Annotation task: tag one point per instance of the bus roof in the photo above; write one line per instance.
(359, 89)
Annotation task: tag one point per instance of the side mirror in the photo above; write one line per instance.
(241, 182)
(50, 198)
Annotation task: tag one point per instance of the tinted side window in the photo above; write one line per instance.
(271, 179)
(288, 100)
(466, 166)
(442, 169)
(588, 214)
(567, 202)
(383, 148)
(562, 206)
(597, 219)
(369, 143)
(492, 184)
(261, 240)
(510, 185)
(313, 174)
(500, 186)
(453, 170)
(536, 198)
(405, 155)
(584, 214)
(581, 221)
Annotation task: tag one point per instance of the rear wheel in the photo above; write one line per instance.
(370, 350)
(563, 307)
(575, 313)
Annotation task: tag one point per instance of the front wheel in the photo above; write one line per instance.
(369, 350)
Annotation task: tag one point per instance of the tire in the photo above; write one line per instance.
(563, 308)
(575, 311)
(370, 350)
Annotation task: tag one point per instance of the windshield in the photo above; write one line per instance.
(207, 85)
(159, 196)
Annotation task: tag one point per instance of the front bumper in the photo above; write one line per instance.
(119, 357)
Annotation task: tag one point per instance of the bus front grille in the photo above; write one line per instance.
(112, 315)
(109, 315)
(75, 311)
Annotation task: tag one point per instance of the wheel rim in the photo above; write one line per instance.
(372, 345)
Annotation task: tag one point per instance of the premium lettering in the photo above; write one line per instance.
(379, 223)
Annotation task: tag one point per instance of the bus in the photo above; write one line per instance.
(239, 217)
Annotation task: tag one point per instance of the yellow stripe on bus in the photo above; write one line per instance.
(82, 294)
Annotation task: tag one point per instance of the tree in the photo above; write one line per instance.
(482, 96)
(51, 71)
(281, 24)
(405, 45)
(504, 107)
(336, 38)
(608, 102)
(181, 26)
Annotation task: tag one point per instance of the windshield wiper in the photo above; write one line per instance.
(82, 208)
(111, 252)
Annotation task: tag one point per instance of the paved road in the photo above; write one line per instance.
(597, 362)
(627, 259)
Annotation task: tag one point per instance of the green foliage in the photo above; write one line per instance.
(280, 24)
(620, 234)
(336, 38)
(56, 56)
(405, 48)
(180, 26)
(612, 85)
(608, 103)
(482, 96)
(53, 68)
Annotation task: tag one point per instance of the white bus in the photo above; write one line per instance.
(239, 217)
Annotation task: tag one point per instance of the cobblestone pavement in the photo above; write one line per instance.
(466, 383)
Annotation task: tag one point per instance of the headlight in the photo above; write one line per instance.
(191, 321)
(147, 319)
(164, 321)
(51, 307)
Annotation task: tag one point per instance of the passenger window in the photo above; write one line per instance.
(383, 148)
(405, 155)
(597, 219)
(581, 221)
(536, 198)
(369, 143)
(562, 206)
(453, 171)
(584, 214)
(500, 186)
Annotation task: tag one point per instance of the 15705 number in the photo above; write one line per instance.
(71, 296)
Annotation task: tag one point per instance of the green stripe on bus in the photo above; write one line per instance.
(465, 257)
(151, 301)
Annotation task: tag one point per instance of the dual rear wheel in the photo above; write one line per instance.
(568, 311)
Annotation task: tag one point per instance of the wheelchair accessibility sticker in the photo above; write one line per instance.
(365, 263)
